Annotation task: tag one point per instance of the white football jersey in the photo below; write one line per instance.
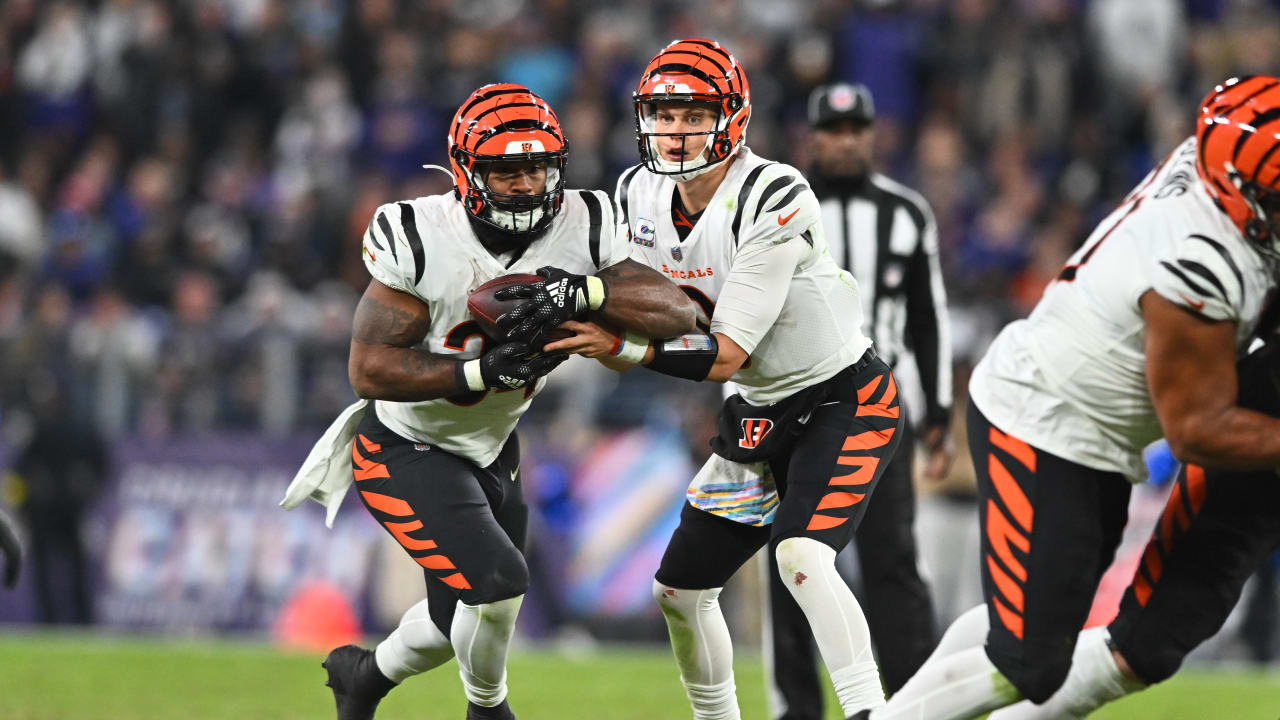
(759, 204)
(1071, 378)
(816, 333)
(426, 248)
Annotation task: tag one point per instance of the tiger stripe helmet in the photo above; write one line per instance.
(1238, 155)
(507, 123)
(693, 70)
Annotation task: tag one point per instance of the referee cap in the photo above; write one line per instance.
(841, 101)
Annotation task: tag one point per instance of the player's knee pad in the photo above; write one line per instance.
(508, 576)
(803, 555)
(683, 602)
(502, 613)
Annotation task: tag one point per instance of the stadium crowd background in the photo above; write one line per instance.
(183, 184)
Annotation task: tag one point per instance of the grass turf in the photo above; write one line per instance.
(85, 677)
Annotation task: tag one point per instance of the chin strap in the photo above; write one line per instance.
(441, 168)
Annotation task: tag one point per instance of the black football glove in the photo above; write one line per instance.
(561, 296)
(12, 552)
(507, 367)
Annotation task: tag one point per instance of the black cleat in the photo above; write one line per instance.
(501, 711)
(357, 683)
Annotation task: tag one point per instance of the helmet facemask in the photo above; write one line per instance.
(704, 149)
(515, 213)
(1262, 228)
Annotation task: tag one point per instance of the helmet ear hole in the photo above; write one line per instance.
(723, 147)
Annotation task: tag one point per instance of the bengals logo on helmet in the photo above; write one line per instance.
(491, 123)
(1238, 152)
(704, 72)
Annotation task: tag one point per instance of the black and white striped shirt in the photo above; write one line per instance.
(885, 234)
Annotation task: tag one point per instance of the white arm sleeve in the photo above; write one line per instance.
(755, 290)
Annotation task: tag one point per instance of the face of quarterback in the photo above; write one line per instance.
(843, 149)
(683, 117)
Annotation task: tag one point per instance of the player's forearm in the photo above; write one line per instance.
(1236, 438)
(653, 307)
(401, 374)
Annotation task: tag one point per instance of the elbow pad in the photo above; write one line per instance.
(688, 356)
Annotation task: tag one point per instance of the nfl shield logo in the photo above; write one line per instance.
(676, 253)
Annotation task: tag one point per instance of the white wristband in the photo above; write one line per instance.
(595, 292)
(632, 347)
(475, 379)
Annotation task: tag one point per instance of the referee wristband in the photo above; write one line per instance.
(631, 347)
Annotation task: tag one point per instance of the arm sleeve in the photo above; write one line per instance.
(1201, 276)
(768, 253)
(392, 249)
(928, 326)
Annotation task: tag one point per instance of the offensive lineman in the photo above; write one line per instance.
(743, 237)
(1136, 339)
(1218, 526)
(437, 460)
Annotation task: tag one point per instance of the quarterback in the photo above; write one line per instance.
(1136, 339)
(435, 457)
(803, 444)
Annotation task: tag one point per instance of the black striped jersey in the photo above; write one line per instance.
(885, 234)
(808, 330)
(1071, 378)
(425, 247)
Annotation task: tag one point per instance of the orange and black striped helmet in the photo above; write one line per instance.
(507, 124)
(699, 71)
(1238, 154)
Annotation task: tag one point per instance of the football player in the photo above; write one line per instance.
(1137, 338)
(436, 460)
(801, 447)
(1218, 526)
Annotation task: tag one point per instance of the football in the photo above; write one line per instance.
(485, 309)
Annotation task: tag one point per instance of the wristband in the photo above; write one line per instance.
(595, 292)
(470, 377)
(689, 356)
(631, 347)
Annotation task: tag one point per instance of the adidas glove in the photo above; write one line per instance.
(561, 296)
(506, 367)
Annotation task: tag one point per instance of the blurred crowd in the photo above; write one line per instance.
(183, 183)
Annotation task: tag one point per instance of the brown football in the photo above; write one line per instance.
(485, 309)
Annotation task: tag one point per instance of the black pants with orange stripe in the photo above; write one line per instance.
(465, 525)
(1218, 526)
(1050, 528)
(825, 482)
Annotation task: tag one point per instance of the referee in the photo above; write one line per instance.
(883, 233)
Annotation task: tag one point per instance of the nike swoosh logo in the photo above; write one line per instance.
(1194, 305)
(514, 473)
(787, 219)
(371, 255)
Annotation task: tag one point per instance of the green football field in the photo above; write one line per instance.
(77, 677)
